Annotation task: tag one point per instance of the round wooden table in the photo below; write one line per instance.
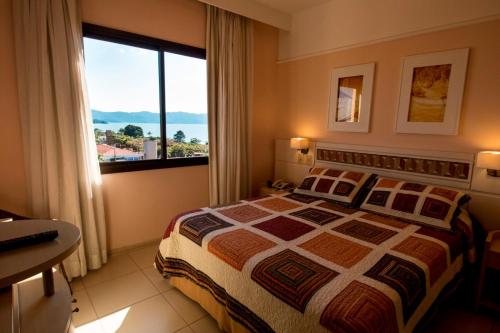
(24, 262)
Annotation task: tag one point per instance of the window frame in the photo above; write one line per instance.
(161, 46)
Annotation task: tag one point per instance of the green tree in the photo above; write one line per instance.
(133, 131)
(98, 132)
(179, 136)
(177, 150)
(195, 141)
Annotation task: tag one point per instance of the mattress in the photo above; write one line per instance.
(295, 263)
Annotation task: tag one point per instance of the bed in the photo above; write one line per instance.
(298, 262)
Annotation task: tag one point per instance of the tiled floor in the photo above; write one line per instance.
(129, 295)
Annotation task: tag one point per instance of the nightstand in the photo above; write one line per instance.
(265, 190)
(27, 303)
(491, 259)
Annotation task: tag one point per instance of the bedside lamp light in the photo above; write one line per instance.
(489, 160)
(301, 144)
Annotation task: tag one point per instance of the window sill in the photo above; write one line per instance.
(116, 167)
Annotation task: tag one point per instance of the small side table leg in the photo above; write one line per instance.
(48, 282)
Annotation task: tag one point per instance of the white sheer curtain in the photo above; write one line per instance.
(229, 61)
(62, 169)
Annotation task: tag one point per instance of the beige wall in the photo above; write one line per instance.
(138, 204)
(338, 24)
(304, 90)
(180, 21)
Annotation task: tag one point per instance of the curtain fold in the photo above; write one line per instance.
(62, 168)
(229, 65)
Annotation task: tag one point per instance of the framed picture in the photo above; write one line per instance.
(350, 98)
(431, 92)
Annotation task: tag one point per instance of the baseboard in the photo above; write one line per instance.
(128, 248)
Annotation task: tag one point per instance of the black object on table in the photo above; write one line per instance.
(36, 238)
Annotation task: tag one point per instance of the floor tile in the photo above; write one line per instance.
(157, 279)
(115, 267)
(144, 257)
(185, 330)
(110, 296)
(189, 310)
(77, 284)
(153, 315)
(206, 325)
(92, 327)
(86, 313)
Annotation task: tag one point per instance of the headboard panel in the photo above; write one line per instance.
(443, 168)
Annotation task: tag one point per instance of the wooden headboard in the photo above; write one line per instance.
(450, 169)
(443, 168)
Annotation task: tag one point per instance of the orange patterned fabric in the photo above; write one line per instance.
(316, 171)
(292, 277)
(385, 220)
(277, 204)
(360, 308)
(356, 176)
(365, 231)
(338, 185)
(244, 214)
(338, 250)
(445, 193)
(337, 208)
(289, 263)
(236, 247)
(431, 253)
(388, 183)
(426, 204)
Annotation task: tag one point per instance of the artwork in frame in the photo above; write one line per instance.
(431, 92)
(350, 98)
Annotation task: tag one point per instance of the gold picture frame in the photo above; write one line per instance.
(350, 98)
(431, 92)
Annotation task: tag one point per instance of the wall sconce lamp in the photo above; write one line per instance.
(489, 160)
(301, 144)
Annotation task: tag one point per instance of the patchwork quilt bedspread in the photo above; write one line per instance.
(295, 263)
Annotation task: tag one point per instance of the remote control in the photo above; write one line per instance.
(14, 243)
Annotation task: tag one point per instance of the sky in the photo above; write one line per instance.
(125, 78)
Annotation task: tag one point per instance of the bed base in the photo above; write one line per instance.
(208, 302)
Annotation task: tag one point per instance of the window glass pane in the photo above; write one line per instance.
(123, 90)
(186, 106)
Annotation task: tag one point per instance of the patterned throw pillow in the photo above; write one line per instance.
(338, 185)
(427, 204)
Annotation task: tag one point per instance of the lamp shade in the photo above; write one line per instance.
(299, 143)
(488, 160)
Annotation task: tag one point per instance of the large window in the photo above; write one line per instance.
(148, 99)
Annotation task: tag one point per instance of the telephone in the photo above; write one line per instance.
(280, 184)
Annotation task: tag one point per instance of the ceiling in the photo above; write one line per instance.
(291, 6)
(277, 13)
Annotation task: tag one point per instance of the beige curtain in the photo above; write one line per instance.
(62, 169)
(229, 61)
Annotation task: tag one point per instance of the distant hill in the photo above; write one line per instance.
(148, 117)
